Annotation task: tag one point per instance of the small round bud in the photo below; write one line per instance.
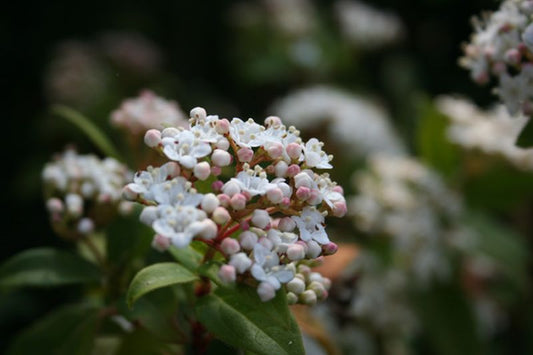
(224, 200)
(222, 143)
(169, 132)
(267, 243)
(85, 226)
(281, 169)
(274, 150)
(216, 171)
(160, 243)
(54, 205)
(313, 249)
(260, 219)
(296, 285)
(291, 298)
(209, 229)
(285, 202)
(308, 297)
(294, 150)
(152, 138)
(513, 56)
(238, 202)
(273, 121)
(227, 273)
(266, 291)
(275, 195)
(315, 276)
(293, 170)
(217, 186)
(231, 188)
(303, 179)
(148, 215)
(286, 224)
(248, 240)
(318, 289)
(315, 197)
(221, 215)
(230, 246)
(330, 248)
(202, 170)
(295, 252)
(222, 126)
(339, 209)
(130, 192)
(221, 158)
(241, 262)
(198, 113)
(209, 203)
(303, 193)
(74, 204)
(125, 208)
(339, 189)
(285, 188)
(87, 189)
(245, 155)
(172, 169)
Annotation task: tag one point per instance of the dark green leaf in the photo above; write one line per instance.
(46, 267)
(238, 317)
(126, 239)
(525, 139)
(157, 276)
(188, 257)
(93, 132)
(141, 342)
(67, 331)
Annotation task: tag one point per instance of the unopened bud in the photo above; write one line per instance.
(209, 203)
(313, 249)
(202, 170)
(308, 297)
(274, 195)
(222, 143)
(295, 252)
(227, 273)
(54, 205)
(198, 113)
(221, 215)
(231, 188)
(303, 179)
(274, 150)
(294, 150)
(266, 291)
(248, 240)
(230, 246)
(293, 170)
(222, 126)
(238, 202)
(152, 138)
(260, 219)
(85, 226)
(241, 262)
(160, 243)
(291, 298)
(303, 193)
(286, 224)
(272, 121)
(245, 155)
(169, 132)
(148, 215)
(296, 285)
(221, 158)
(281, 169)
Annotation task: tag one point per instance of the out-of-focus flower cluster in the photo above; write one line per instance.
(367, 27)
(251, 192)
(83, 191)
(502, 47)
(353, 121)
(137, 115)
(492, 132)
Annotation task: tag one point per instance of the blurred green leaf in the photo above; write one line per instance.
(238, 317)
(69, 331)
(525, 139)
(127, 238)
(433, 145)
(90, 129)
(141, 342)
(157, 276)
(46, 267)
(188, 257)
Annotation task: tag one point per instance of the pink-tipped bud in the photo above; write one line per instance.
(481, 78)
(303, 193)
(286, 224)
(230, 246)
(54, 205)
(275, 195)
(160, 243)
(172, 169)
(125, 208)
(217, 185)
(274, 150)
(245, 155)
(513, 56)
(224, 200)
(339, 209)
(303, 179)
(198, 113)
(245, 225)
(330, 248)
(293, 170)
(247, 195)
(216, 171)
(202, 170)
(209, 229)
(273, 121)
(222, 143)
(294, 150)
(266, 291)
(260, 219)
(280, 169)
(248, 240)
(221, 215)
(222, 126)
(209, 203)
(339, 189)
(285, 202)
(295, 252)
(231, 188)
(238, 202)
(315, 198)
(227, 273)
(221, 158)
(318, 289)
(152, 138)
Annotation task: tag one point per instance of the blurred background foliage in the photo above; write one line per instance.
(233, 62)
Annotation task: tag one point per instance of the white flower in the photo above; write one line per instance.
(246, 134)
(185, 148)
(205, 130)
(314, 156)
(328, 194)
(178, 223)
(254, 185)
(266, 267)
(310, 224)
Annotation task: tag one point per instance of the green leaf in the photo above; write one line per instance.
(142, 342)
(157, 276)
(238, 317)
(90, 129)
(69, 331)
(525, 139)
(188, 257)
(127, 239)
(45, 267)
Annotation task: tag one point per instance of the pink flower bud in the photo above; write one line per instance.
(295, 252)
(294, 150)
(274, 150)
(230, 246)
(54, 205)
(247, 195)
(217, 185)
(339, 189)
(221, 158)
(172, 169)
(198, 113)
(273, 121)
(231, 188)
(303, 193)
(227, 273)
(202, 170)
(318, 289)
(513, 56)
(339, 209)
(286, 224)
(248, 240)
(209, 229)
(275, 195)
(315, 198)
(293, 170)
(266, 291)
(481, 77)
(280, 169)
(260, 219)
(330, 248)
(238, 202)
(285, 202)
(160, 243)
(245, 225)
(222, 143)
(222, 126)
(245, 155)
(221, 215)
(152, 138)
(209, 203)
(216, 171)
(224, 200)
(303, 179)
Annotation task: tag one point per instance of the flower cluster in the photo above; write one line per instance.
(352, 120)
(502, 46)
(82, 191)
(250, 192)
(148, 111)
(492, 132)
(367, 27)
